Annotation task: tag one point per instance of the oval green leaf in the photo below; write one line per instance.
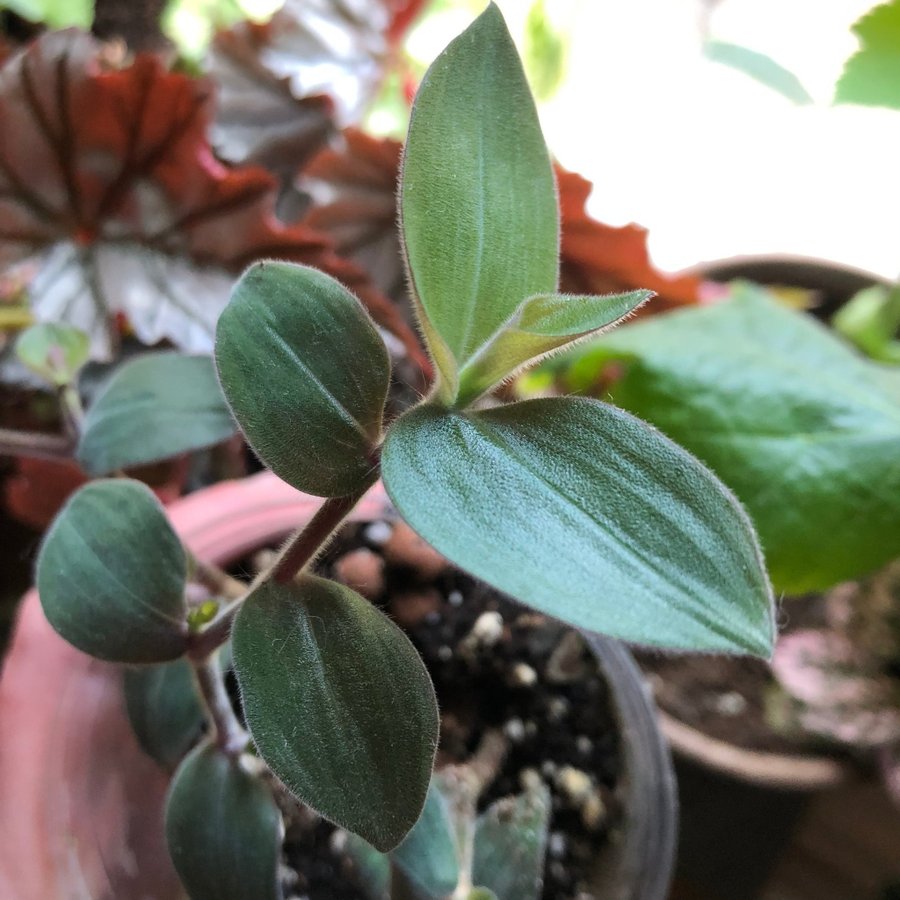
(589, 515)
(802, 428)
(163, 709)
(54, 352)
(339, 704)
(153, 408)
(223, 829)
(111, 575)
(542, 325)
(478, 200)
(306, 375)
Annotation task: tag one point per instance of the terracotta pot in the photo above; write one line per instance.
(82, 806)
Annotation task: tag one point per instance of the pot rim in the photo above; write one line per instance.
(226, 521)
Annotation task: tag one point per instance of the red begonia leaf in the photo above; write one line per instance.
(355, 203)
(107, 178)
(259, 119)
(339, 47)
(600, 259)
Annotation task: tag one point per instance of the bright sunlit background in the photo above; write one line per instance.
(712, 162)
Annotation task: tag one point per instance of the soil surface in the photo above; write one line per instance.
(732, 698)
(495, 665)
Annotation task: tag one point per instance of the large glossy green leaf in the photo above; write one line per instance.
(510, 845)
(801, 427)
(339, 705)
(153, 408)
(588, 514)
(759, 67)
(306, 375)
(163, 709)
(478, 202)
(111, 575)
(872, 75)
(541, 325)
(223, 829)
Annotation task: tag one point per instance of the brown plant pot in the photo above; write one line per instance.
(81, 815)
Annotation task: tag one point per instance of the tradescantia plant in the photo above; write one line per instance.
(574, 507)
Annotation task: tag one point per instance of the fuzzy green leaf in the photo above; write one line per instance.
(339, 704)
(482, 893)
(153, 408)
(223, 829)
(539, 326)
(111, 575)
(478, 201)
(54, 352)
(800, 426)
(163, 710)
(306, 375)
(510, 845)
(872, 76)
(759, 67)
(589, 515)
(428, 855)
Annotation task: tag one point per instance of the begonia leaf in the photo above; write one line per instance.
(258, 118)
(107, 180)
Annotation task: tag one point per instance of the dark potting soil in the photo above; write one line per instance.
(495, 665)
(732, 698)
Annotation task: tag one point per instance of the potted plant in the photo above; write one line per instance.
(541, 500)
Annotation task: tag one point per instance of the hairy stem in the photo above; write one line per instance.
(72, 410)
(463, 786)
(303, 547)
(228, 734)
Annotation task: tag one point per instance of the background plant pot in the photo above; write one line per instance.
(82, 805)
(740, 808)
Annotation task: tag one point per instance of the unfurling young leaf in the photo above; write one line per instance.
(55, 352)
(153, 408)
(477, 199)
(339, 705)
(306, 374)
(539, 326)
(111, 575)
(223, 829)
(589, 515)
(163, 709)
